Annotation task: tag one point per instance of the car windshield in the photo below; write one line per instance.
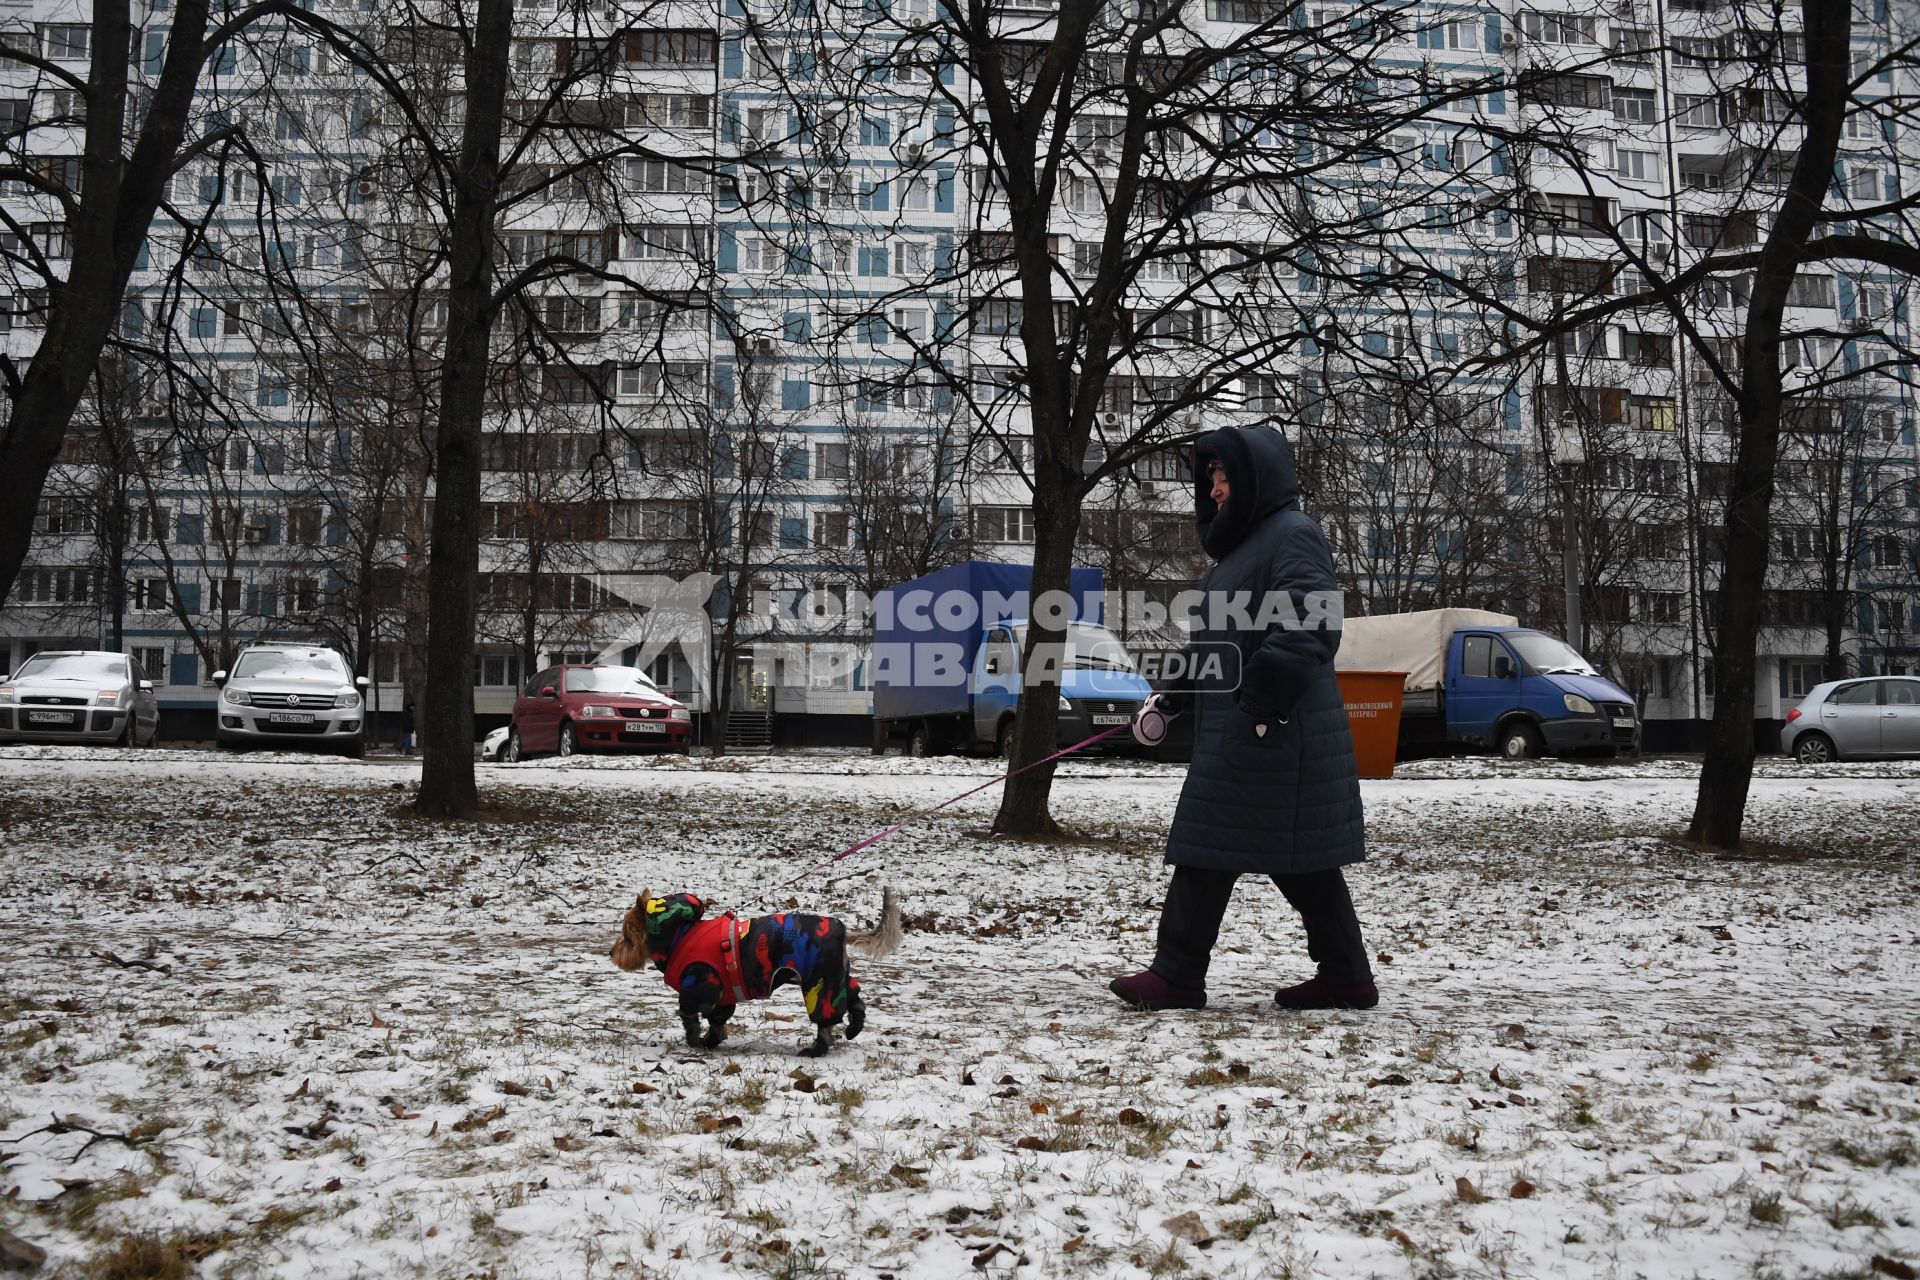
(611, 680)
(73, 666)
(300, 664)
(1549, 656)
(1087, 647)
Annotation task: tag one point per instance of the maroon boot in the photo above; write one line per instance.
(1318, 993)
(1148, 990)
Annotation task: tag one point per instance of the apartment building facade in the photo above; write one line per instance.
(766, 327)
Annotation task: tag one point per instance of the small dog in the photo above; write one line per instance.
(714, 964)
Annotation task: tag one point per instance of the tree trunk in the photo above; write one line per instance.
(446, 716)
(1023, 801)
(116, 207)
(1720, 808)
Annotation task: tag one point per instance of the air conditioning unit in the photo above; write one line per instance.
(752, 142)
(366, 186)
(1110, 419)
(256, 534)
(1509, 41)
(914, 151)
(1659, 252)
(764, 347)
(1146, 488)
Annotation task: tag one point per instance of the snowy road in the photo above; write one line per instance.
(332, 1041)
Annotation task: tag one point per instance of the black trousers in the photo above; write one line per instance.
(1197, 903)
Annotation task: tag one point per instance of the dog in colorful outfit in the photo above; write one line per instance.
(712, 965)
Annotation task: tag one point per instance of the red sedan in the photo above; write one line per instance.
(570, 708)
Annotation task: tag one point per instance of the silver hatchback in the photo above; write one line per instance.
(79, 695)
(285, 695)
(1844, 719)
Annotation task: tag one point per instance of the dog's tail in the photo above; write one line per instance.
(879, 943)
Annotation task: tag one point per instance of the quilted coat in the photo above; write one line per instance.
(1273, 788)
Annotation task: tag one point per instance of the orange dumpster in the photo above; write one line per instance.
(1373, 714)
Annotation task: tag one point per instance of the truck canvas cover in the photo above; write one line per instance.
(927, 631)
(1415, 643)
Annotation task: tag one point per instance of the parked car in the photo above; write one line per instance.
(1844, 719)
(79, 695)
(572, 708)
(494, 743)
(290, 694)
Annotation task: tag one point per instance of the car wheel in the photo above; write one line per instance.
(228, 744)
(357, 750)
(1003, 741)
(1520, 741)
(1815, 748)
(920, 744)
(127, 734)
(153, 737)
(511, 752)
(566, 741)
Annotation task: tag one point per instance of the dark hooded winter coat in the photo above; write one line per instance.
(1283, 800)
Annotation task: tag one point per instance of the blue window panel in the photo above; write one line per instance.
(732, 61)
(943, 196)
(944, 318)
(183, 669)
(735, 9)
(873, 260)
(800, 63)
(1374, 343)
(357, 125)
(336, 528)
(943, 251)
(156, 52)
(1493, 32)
(1511, 412)
(729, 251)
(946, 78)
(1497, 103)
(943, 124)
(209, 188)
(875, 133)
(793, 533)
(942, 402)
(133, 320)
(189, 596)
(800, 258)
(142, 258)
(189, 528)
(287, 188)
(797, 326)
(226, 60)
(723, 386)
(1438, 155)
(794, 395)
(1430, 38)
(873, 195)
(201, 323)
(1891, 183)
(794, 465)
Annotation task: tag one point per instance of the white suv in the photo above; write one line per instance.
(287, 694)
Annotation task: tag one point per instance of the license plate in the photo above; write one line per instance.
(645, 726)
(290, 717)
(50, 717)
(1623, 722)
(1105, 719)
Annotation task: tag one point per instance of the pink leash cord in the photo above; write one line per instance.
(875, 839)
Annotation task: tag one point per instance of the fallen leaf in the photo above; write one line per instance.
(641, 1086)
(332, 1184)
(1188, 1226)
(1468, 1193)
(1395, 1079)
(1073, 1244)
(514, 1089)
(1129, 1116)
(988, 1254)
(1893, 1267)
(301, 1092)
(1521, 1190)
(1031, 1144)
(1401, 1238)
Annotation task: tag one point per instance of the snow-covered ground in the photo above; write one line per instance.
(258, 1021)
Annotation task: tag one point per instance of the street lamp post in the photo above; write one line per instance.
(1569, 453)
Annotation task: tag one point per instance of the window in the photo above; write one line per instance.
(996, 318)
(667, 241)
(1651, 413)
(911, 324)
(1810, 291)
(53, 586)
(1634, 44)
(1003, 524)
(656, 380)
(1638, 166)
(1557, 28)
(497, 670)
(1648, 350)
(831, 461)
(1698, 111)
(150, 663)
(66, 40)
(832, 528)
(61, 516)
(304, 595)
(669, 111)
(1633, 105)
(223, 595)
(671, 48)
(659, 520)
(1660, 608)
(666, 177)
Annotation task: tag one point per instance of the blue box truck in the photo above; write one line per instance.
(946, 661)
(1478, 679)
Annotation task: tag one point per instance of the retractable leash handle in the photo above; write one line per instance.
(1150, 722)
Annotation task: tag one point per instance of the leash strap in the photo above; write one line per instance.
(850, 850)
